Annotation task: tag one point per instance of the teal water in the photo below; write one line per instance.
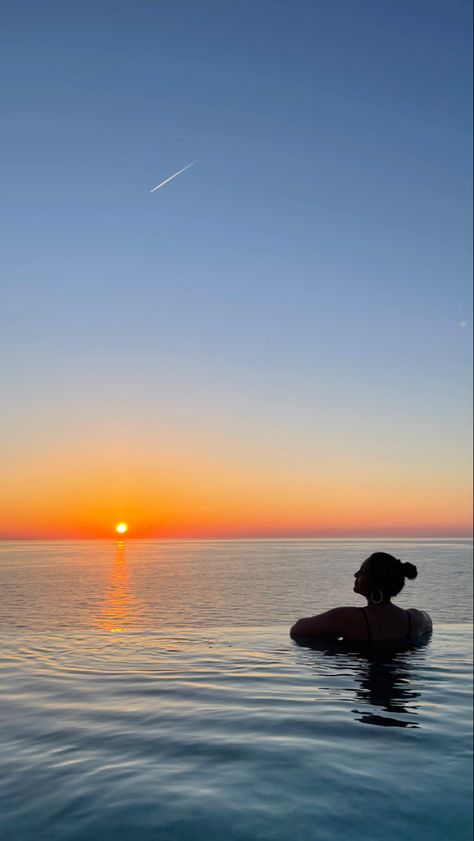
(151, 691)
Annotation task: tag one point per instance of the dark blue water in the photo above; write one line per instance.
(140, 698)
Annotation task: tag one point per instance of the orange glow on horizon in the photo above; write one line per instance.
(197, 489)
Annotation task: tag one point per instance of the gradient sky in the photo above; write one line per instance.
(278, 341)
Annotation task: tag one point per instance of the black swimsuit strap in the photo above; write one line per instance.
(369, 635)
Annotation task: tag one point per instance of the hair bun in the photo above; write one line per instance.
(409, 570)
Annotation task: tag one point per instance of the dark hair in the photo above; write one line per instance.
(389, 573)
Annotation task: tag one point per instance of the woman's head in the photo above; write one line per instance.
(382, 576)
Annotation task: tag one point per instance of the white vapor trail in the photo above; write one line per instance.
(172, 176)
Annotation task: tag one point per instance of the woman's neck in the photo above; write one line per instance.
(385, 602)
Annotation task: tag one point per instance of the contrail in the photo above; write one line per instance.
(172, 176)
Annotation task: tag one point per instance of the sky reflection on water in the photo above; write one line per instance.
(231, 732)
(141, 698)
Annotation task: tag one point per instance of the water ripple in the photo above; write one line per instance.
(234, 733)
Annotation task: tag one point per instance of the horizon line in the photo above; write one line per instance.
(128, 538)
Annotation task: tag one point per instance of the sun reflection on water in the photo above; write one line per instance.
(119, 609)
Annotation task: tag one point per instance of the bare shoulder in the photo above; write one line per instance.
(335, 621)
(420, 621)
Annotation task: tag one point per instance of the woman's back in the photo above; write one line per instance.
(383, 623)
(395, 624)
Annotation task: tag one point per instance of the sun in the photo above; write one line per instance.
(121, 528)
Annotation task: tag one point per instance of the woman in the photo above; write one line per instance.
(379, 579)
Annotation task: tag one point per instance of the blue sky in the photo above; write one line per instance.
(312, 270)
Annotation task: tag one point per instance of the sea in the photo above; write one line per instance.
(150, 690)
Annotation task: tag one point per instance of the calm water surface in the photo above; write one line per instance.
(150, 691)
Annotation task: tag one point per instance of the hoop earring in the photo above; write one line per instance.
(379, 600)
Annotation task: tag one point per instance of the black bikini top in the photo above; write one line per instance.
(369, 634)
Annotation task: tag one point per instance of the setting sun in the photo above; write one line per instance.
(121, 528)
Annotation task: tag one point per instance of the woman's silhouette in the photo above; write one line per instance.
(379, 579)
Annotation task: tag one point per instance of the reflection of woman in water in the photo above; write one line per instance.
(385, 684)
(377, 677)
(379, 579)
